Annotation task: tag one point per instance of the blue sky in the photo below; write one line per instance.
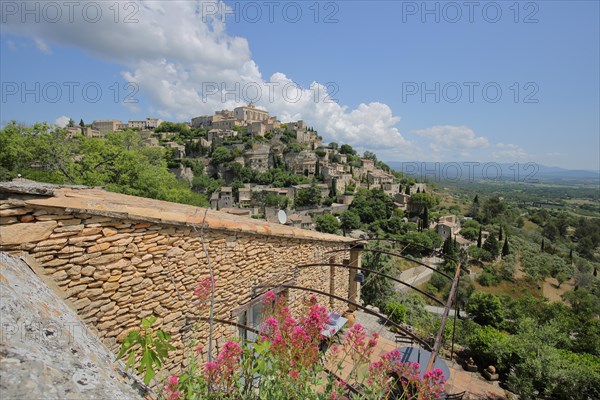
(379, 55)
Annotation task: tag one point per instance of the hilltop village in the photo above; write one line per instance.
(248, 163)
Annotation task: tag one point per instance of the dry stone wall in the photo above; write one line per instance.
(115, 271)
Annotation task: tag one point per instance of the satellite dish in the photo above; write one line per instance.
(282, 217)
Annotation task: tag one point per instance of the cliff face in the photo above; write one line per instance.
(46, 351)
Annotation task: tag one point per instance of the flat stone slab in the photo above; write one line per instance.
(46, 351)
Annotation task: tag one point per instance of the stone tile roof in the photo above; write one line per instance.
(97, 201)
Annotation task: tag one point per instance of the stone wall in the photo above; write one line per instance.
(120, 258)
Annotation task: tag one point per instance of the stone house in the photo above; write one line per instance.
(245, 197)
(104, 126)
(259, 128)
(250, 113)
(447, 226)
(222, 198)
(368, 165)
(377, 178)
(179, 149)
(218, 135)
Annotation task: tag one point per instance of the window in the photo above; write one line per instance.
(252, 315)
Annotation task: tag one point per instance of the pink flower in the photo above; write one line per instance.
(210, 367)
(170, 388)
(204, 289)
(270, 297)
(271, 324)
(294, 374)
(198, 350)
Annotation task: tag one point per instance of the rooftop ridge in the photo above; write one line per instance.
(97, 201)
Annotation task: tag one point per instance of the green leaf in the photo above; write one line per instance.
(148, 322)
(131, 360)
(149, 375)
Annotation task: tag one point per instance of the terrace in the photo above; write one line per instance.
(459, 380)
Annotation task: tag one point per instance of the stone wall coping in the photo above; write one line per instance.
(97, 201)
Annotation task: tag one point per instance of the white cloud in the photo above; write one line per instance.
(62, 121)
(42, 46)
(450, 140)
(175, 54)
(509, 152)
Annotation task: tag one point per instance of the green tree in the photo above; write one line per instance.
(377, 290)
(419, 201)
(81, 123)
(491, 245)
(308, 197)
(505, 248)
(479, 238)
(493, 209)
(333, 190)
(474, 209)
(71, 123)
(349, 220)
(486, 309)
(425, 218)
(369, 155)
(220, 156)
(327, 223)
(469, 233)
(372, 205)
(347, 149)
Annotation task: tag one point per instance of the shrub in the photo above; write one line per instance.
(489, 346)
(486, 308)
(395, 311)
(487, 278)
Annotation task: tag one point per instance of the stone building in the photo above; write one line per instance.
(250, 113)
(117, 259)
(178, 149)
(148, 123)
(103, 126)
(218, 135)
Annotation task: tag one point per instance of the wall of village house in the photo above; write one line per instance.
(115, 272)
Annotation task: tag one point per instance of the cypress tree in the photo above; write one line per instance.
(407, 191)
(571, 256)
(500, 235)
(542, 249)
(479, 238)
(425, 218)
(81, 123)
(447, 245)
(476, 199)
(505, 249)
(333, 190)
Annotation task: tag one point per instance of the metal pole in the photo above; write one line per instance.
(438, 339)
(456, 313)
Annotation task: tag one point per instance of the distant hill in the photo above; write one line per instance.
(465, 170)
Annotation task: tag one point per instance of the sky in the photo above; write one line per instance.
(428, 81)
